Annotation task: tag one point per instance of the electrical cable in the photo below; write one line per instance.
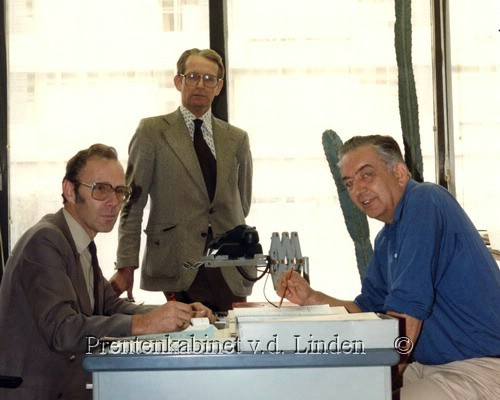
(245, 275)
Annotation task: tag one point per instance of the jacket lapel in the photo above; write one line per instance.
(76, 276)
(177, 136)
(225, 150)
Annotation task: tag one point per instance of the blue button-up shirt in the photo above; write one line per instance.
(431, 263)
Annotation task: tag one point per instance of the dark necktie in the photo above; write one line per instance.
(96, 270)
(205, 158)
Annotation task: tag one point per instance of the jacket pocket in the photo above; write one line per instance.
(161, 242)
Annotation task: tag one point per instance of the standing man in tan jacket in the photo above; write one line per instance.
(188, 204)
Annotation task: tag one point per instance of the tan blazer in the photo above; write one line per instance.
(45, 315)
(163, 168)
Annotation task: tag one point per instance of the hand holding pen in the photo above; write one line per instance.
(289, 275)
(294, 287)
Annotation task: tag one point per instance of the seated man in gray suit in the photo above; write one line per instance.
(53, 294)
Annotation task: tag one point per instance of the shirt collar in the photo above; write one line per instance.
(189, 117)
(399, 208)
(81, 238)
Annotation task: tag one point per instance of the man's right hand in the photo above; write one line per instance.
(173, 316)
(298, 291)
(123, 280)
(295, 288)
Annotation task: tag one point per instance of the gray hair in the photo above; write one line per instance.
(386, 146)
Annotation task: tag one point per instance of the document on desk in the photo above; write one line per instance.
(285, 312)
(199, 338)
(200, 328)
(291, 328)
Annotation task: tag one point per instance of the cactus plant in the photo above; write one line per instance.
(408, 105)
(355, 220)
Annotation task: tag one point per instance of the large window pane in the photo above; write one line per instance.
(475, 57)
(298, 68)
(295, 70)
(82, 72)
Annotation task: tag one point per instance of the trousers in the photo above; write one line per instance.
(472, 379)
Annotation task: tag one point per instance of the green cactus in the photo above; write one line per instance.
(408, 105)
(355, 220)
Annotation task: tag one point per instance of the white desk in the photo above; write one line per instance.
(243, 376)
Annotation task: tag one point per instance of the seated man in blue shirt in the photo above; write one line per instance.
(430, 268)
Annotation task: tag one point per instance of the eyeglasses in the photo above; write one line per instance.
(365, 175)
(101, 191)
(192, 79)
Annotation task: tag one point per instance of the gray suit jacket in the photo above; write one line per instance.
(163, 168)
(45, 315)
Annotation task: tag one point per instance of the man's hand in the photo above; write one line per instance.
(172, 316)
(200, 311)
(296, 288)
(298, 291)
(123, 280)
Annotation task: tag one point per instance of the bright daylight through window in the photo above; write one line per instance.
(295, 69)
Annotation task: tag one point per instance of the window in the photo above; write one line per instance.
(296, 69)
(82, 72)
(475, 58)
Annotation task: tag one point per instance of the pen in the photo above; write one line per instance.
(286, 286)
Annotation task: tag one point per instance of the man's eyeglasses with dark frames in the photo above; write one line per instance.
(101, 191)
(192, 79)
